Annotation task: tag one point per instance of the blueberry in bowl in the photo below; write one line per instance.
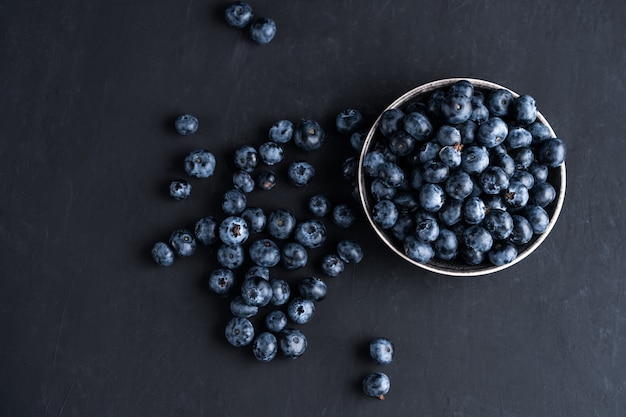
(481, 166)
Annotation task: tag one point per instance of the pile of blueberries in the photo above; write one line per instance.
(265, 239)
(462, 175)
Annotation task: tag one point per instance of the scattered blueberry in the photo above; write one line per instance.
(186, 124)
(180, 189)
(256, 291)
(240, 308)
(319, 205)
(312, 288)
(183, 242)
(239, 331)
(300, 310)
(271, 153)
(349, 121)
(205, 230)
(234, 201)
(265, 347)
(292, 343)
(332, 265)
(258, 271)
(376, 385)
(300, 173)
(280, 223)
(233, 230)
(275, 321)
(343, 215)
(230, 256)
(281, 131)
(200, 163)
(243, 181)
(266, 180)
(349, 251)
(263, 30)
(311, 234)
(293, 256)
(309, 135)
(264, 252)
(246, 158)
(221, 281)
(381, 350)
(239, 14)
(255, 219)
(280, 291)
(162, 254)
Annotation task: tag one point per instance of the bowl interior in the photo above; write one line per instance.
(556, 178)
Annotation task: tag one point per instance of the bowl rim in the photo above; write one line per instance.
(364, 199)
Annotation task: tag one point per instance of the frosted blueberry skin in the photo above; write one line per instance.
(381, 350)
(255, 218)
(281, 131)
(524, 110)
(518, 137)
(205, 230)
(311, 234)
(349, 121)
(376, 385)
(432, 197)
(243, 181)
(186, 124)
(477, 238)
(180, 189)
(401, 143)
(230, 256)
(292, 343)
(456, 108)
(258, 271)
(309, 135)
(300, 173)
(319, 205)
(256, 291)
(246, 158)
(280, 223)
(385, 213)
(162, 254)
(493, 180)
(281, 291)
(271, 153)
(499, 223)
(200, 163)
(183, 242)
(474, 159)
(343, 216)
(312, 288)
(233, 230)
(264, 252)
(221, 281)
(263, 30)
(234, 202)
(332, 265)
(492, 132)
(516, 196)
(300, 310)
(349, 251)
(275, 321)
(266, 180)
(418, 126)
(240, 308)
(239, 14)
(293, 256)
(265, 347)
(239, 331)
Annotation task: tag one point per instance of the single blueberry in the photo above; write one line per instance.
(459, 185)
(240, 308)
(405, 225)
(539, 171)
(435, 172)
(200, 163)
(230, 256)
(516, 196)
(162, 254)
(309, 135)
(427, 229)
(504, 161)
(446, 245)
(264, 252)
(522, 157)
(434, 102)
(494, 201)
(183, 242)
(357, 139)
(391, 121)
(499, 102)
(463, 87)
(451, 212)
(456, 108)
(417, 250)
(477, 238)
(502, 253)
(405, 201)
(242, 180)
(233, 230)
(263, 30)
(255, 218)
(238, 14)
(468, 131)
(542, 194)
(381, 350)
(256, 291)
(292, 343)
(432, 197)
(300, 310)
(246, 158)
(258, 271)
(293, 256)
(552, 152)
(275, 321)
(349, 251)
(385, 213)
(312, 288)
(239, 331)
(522, 231)
(381, 191)
(539, 131)
(450, 155)
(319, 205)
(372, 161)
(349, 121)
(349, 168)
(525, 110)
(376, 385)
(266, 180)
(492, 132)
(186, 124)
(499, 223)
(493, 180)
(474, 210)
(281, 131)
(271, 153)
(343, 215)
(301, 173)
(280, 223)
(474, 159)
(281, 291)
(391, 174)
(523, 177)
(180, 189)
(221, 281)
(205, 230)
(538, 218)
(480, 113)
(418, 126)
(471, 256)
(518, 137)
(401, 143)
(311, 234)
(332, 265)
(265, 347)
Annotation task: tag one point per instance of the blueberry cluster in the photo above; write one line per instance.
(254, 246)
(462, 175)
(240, 14)
(377, 384)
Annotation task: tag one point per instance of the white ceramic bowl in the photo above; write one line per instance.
(457, 267)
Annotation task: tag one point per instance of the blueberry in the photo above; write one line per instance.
(417, 250)
(468, 131)
(271, 153)
(538, 131)
(385, 213)
(349, 251)
(332, 265)
(429, 151)
(205, 230)
(180, 189)
(258, 271)
(522, 231)
(381, 350)
(474, 159)
(456, 108)
(427, 229)
(499, 223)
(200, 163)
(450, 155)
(451, 212)
(255, 218)
(518, 137)
(319, 205)
(293, 256)
(246, 158)
(480, 113)
(416, 180)
(343, 215)
(464, 88)
(459, 185)
(523, 177)
(432, 197)
(405, 201)
(162, 254)
(401, 143)
(381, 191)
(309, 135)
(221, 281)
(478, 97)
(240, 308)
(405, 225)
(264, 252)
(418, 126)
(256, 291)
(292, 343)
(300, 310)
(239, 14)
(471, 256)
(474, 210)
(376, 385)
(434, 102)
(446, 245)
(234, 201)
(525, 110)
(263, 30)
(265, 347)
(477, 238)
(349, 168)
(186, 124)
(183, 242)
(233, 230)
(280, 223)
(349, 121)
(504, 161)
(516, 196)
(542, 194)
(539, 172)
(280, 291)
(275, 321)
(311, 234)
(243, 181)
(230, 256)
(372, 162)
(357, 139)
(300, 173)
(281, 131)
(538, 218)
(502, 253)
(493, 201)
(391, 174)
(522, 157)
(551, 152)
(239, 331)
(499, 102)
(266, 180)
(391, 121)
(493, 180)
(312, 288)
(492, 132)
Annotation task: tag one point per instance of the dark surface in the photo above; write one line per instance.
(92, 327)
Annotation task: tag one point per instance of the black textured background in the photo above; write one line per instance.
(91, 327)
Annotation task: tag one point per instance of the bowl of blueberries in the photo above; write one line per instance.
(462, 177)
